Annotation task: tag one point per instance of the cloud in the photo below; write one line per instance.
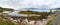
(17, 4)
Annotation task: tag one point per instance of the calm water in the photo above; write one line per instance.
(15, 13)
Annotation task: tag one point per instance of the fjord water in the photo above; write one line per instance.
(15, 13)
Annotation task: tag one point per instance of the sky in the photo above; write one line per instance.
(18, 4)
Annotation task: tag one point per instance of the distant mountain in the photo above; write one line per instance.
(36, 9)
(41, 9)
(56, 9)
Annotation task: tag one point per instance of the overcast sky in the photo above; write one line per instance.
(17, 4)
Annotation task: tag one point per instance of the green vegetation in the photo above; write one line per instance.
(50, 10)
(6, 23)
(49, 23)
(5, 9)
(51, 20)
(1, 9)
(42, 14)
(3, 16)
(34, 18)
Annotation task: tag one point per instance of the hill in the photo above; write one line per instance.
(56, 9)
(5, 9)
